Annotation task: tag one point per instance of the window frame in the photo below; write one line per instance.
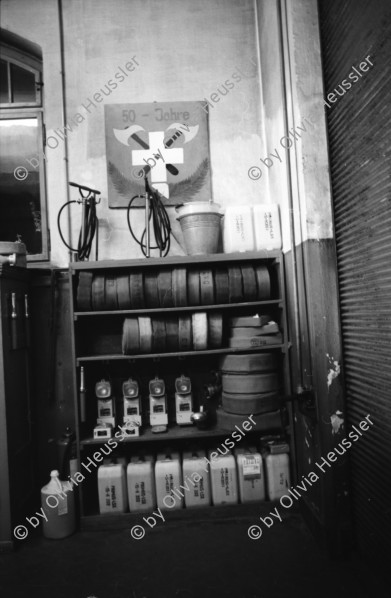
(21, 110)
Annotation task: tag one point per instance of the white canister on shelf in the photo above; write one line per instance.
(238, 234)
(250, 474)
(58, 505)
(196, 479)
(224, 480)
(112, 492)
(168, 479)
(277, 475)
(267, 229)
(141, 484)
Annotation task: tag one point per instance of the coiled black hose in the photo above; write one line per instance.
(84, 245)
(160, 222)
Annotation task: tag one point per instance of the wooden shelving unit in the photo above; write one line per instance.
(89, 324)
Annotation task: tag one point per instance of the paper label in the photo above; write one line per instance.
(251, 467)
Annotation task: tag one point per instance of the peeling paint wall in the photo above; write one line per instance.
(334, 370)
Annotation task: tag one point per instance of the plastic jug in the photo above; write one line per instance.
(112, 492)
(238, 234)
(250, 474)
(141, 484)
(168, 479)
(277, 475)
(267, 226)
(224, 479)
(196, 479)
(58, 504)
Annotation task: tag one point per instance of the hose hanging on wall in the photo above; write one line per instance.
(89, 224)
(155, 211)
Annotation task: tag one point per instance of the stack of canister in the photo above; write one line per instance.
(174, 481)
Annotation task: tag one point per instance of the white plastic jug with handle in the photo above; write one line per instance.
(58, 505)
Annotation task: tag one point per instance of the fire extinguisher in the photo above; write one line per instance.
(67, 456)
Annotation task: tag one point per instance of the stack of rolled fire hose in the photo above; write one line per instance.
(250, 383)
(189, 332)
(253, 331)
(172, 287)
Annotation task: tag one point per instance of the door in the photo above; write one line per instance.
(359, 127)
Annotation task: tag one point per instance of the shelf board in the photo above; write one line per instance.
(159, 310)
(174, 432)
(158, 356)
(249, 511)
(156, 262)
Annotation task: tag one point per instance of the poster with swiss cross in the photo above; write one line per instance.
(168, 141)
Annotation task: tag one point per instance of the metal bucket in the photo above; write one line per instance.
(201, 226)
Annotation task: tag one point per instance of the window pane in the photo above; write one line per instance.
(3, 83)
(20, 206)
(23, 85)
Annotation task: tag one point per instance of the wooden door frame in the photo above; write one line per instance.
(292, 94)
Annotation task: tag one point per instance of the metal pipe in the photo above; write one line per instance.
(287, 80)
(147, 238)
(63, 119)
(83, 220)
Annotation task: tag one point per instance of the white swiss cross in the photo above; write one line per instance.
(158, 170)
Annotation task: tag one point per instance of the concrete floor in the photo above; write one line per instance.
(207, 560)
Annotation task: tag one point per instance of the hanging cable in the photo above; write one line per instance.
(160, 222)
(89, 223)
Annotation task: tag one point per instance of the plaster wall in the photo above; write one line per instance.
(185, 50)
(296, 158)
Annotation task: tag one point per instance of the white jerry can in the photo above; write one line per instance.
(224, 479)
(250, 474)
(58, 504)
(168, 478)
(238, 234)
(141, 484)
(267, 226)
(196, 479)
(277, 475)
(112, 492)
